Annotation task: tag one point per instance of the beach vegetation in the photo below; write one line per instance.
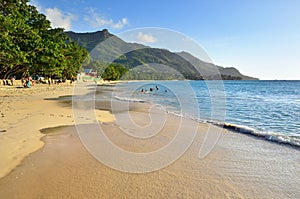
(114, 72)
(29, 45)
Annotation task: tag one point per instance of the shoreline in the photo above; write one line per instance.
(239, 166)
(269, 135)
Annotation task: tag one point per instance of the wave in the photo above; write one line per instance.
(270, 136)
(267, 135)
(130, 99)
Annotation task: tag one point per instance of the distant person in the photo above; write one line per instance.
(12, 81)
(31, 81)
(49, 81)
(23, 81)
(28, 83)
(156, 87)
(151, 89)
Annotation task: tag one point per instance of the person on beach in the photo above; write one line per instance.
(31, 81)
(12, 81)
(28, 84)
(23, 81)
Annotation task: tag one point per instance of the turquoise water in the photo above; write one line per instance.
(269, 109)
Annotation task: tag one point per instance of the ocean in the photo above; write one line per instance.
(268, 109)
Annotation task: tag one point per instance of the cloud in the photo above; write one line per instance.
(58, 18)
(146, 38)
(119, 24)
(36, 4)
(96, 20)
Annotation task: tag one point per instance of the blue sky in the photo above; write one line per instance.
(261, 38)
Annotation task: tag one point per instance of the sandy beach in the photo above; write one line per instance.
(23, 113)
(43, 157)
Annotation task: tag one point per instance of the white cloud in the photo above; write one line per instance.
(36, 4)
(59, 19)
(119, 24)
(146, 38)
(97, 21)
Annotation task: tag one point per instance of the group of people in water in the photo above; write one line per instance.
(151, 89)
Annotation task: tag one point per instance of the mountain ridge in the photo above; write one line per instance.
(210, 68)
(106, 47)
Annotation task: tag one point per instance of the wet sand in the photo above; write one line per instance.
(64, 169)
(239, 166)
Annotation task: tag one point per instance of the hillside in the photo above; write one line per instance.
(102, 45)
(209, 70)
(150, 62)
(156, 58)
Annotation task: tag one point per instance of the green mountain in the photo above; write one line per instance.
(154, 58)
(209, 70)
(102, 45)
(150, 63)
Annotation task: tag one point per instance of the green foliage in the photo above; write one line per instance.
(28, 44)
(114, 72)
(175, 62)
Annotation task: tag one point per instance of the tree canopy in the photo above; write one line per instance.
(114, 72)
(28, 44)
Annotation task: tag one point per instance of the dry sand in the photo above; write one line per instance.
(24, 112)
(239, 166)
